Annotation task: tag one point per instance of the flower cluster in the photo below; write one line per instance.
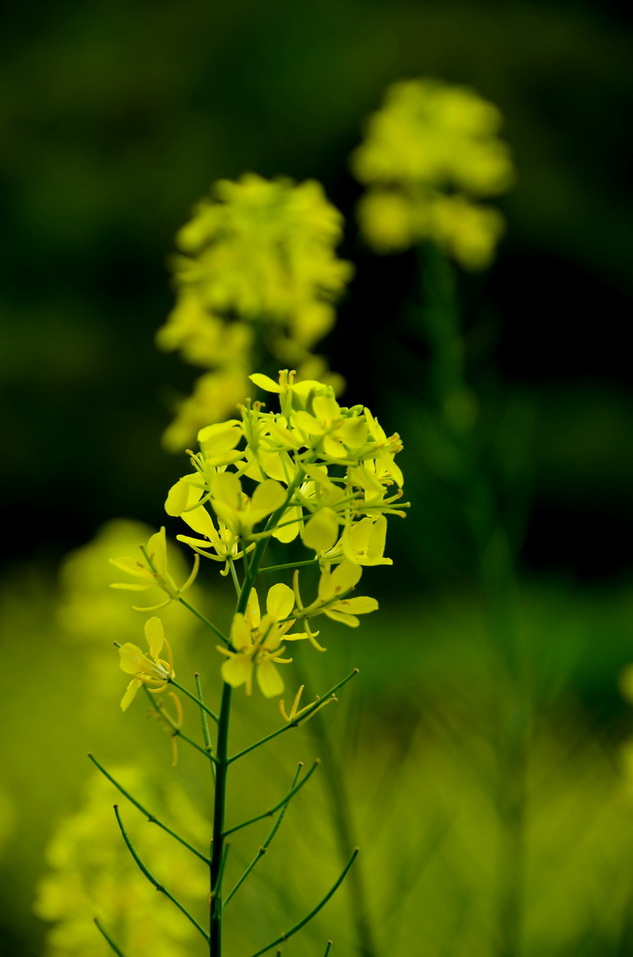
(431, 152)
(316, 472)
(256, 273)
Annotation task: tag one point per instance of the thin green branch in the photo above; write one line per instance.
(284, 802)
(102, 931)
(193, 698)
(234, 576)
(314, 912)
(266, 844)
(219, 805)
(176, 731)
(278, 568)
(327, 948)
(204, 620)
(150, 877)
(303, 715)
(208, 744)
(150, 817)
(218, 881)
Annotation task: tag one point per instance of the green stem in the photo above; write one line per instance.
(496, 573)
(204, 620)
(278, 568)
(208, 744)
(150, 877)
(222, 761)
(301, 717)
(100, 928)
(193, 698)
(283, 803)
(175, 730)
(150, 817)
(264, 848)
(219, 806)
(314, 912)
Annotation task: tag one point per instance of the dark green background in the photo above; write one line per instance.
(116, 117)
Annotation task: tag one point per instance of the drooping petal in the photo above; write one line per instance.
(182, 495)
(268, 678)
(130, 694)
(236, 670)
(200, 521)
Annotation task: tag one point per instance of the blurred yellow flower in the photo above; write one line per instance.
(257, 253)
(430, 152)
(90, 874)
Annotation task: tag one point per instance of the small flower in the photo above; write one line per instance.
(257, 642)
(331, 596)
(152, 571)
(364, 542)
(150, 670)
(222, 541)
(239, 512)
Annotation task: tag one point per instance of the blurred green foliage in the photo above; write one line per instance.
(115, 117)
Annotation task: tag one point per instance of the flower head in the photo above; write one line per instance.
(431, 152)
(256, 641)
(150, 670)
(152, 570)
(332, 600)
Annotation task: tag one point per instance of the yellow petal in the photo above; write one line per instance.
(129, 695)
(269, 679)
(240, 632)
(237, 670)
(200, 521)
(280, 601)
(326, 408)
(157, 551)
(181, 496)
(353, 432)
(268, 497)
(264, 382)
(321, 531)
(288, 532)
(155, 635)
(227, 489)
(132, 660)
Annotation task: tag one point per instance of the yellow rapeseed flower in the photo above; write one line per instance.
(257, 642)
(151, 568)
(150, 670)
(430, 153)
